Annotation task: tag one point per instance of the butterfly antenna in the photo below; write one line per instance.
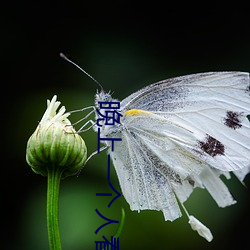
(90, 76)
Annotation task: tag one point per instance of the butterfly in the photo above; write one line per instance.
(179, 134)
(176, 135)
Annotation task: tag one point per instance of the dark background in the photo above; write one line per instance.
(125, 46)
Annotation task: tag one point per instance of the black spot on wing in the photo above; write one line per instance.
(248, 89)
(212, 146)
(233, 119)
(190, 181)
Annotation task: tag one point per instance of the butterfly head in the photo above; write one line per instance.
(103, 96)
(107, 112)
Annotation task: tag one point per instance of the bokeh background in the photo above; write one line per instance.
(125, 45)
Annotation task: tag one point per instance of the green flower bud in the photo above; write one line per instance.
(55, 144)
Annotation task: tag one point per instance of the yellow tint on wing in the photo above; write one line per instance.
(137, 112)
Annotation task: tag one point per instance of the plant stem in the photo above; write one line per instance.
(54, 177)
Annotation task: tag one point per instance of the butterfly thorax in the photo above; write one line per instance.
(108, 114)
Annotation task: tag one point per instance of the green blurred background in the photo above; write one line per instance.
(125, 47)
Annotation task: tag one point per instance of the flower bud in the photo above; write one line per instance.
(55, 144)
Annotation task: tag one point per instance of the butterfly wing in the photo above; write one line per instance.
(213, 106)
(153, 168)
(181, 133)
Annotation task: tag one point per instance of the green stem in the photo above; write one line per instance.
(54, 177)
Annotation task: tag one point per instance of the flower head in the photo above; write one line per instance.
(55, 143)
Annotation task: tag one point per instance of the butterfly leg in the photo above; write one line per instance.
(95, 152)
(81, 110)
(83, 129)
(91, 155)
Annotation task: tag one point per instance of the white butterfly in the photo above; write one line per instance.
(179, 134)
